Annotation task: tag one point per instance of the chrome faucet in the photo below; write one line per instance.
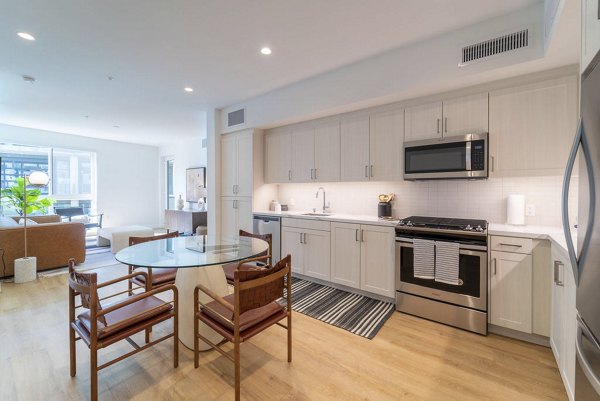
(317, 196)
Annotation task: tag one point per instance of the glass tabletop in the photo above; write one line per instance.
(194, 251)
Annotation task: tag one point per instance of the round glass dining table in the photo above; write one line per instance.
(198, 260)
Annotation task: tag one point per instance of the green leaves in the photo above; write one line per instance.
(13, 198)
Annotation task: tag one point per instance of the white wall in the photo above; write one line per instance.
(127, 174)
(480, 199)
(423, 68)
(187, 154)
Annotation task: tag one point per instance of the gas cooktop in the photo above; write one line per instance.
(443, 223)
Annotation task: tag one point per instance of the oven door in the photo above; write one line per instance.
(472, 293)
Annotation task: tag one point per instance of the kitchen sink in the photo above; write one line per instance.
(316, 214)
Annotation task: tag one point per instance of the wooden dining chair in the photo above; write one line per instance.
(156, 276)
(105, 324)
(252, 308)
(264, 260)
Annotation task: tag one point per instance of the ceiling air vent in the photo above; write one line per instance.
(497, 45)
(236, 117)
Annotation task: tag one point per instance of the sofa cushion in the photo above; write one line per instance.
(29, 222)
(8, 222)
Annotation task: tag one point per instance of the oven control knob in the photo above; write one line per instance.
(409, 223)
(479, 229)
(468, 228)
(401, 223)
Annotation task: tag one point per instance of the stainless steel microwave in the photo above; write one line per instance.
(463, 156)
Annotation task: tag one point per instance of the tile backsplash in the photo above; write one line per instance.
(480, 199)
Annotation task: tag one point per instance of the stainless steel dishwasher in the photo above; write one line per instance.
(270, 225)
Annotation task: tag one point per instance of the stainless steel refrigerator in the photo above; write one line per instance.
(586, 259)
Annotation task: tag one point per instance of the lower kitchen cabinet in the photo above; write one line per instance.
(362, 256)
(564, 320)
(236, 214)
(309, 247)
(511, 290)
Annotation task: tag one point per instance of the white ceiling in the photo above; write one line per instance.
(153, 48)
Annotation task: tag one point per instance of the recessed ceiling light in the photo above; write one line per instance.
(25, 35)
(266, 51)
(116, 126)
(28, 78)
(188, 89)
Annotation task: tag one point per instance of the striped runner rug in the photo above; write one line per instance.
(355, 313)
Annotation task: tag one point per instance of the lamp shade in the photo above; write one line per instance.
(38, 178)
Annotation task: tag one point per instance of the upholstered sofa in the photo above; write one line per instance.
(51, 241)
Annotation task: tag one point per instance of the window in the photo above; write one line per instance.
(169, 179)
(73, 172)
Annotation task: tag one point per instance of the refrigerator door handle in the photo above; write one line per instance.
(585, 365)
(580, 139)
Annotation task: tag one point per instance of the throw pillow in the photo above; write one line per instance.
(29, 222)
(6, 221)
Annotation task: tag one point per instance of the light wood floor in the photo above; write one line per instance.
(410, 359)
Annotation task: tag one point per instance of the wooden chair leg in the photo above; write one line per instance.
(94, 374)
(176, 340)
(196, 345)
(72, 351)
(289, 336)
(148, 333)
(236, 359)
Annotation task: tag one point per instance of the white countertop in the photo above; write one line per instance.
(555, 234)
(339, 217)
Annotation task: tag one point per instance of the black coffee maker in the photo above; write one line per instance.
(384, 208)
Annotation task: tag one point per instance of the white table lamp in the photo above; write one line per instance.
(26, 267)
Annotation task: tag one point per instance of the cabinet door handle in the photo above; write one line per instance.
(304, 237)
(371, 170)
(356, 235)
(515, 245)
(494, 267)
(492, 157)
(315, 174)
(558, 266)
(300, 237)
(362, 235)
(289, 175)
(446, 125)
(367, 171)
(438, 125)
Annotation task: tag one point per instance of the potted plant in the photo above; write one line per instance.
(13, 197)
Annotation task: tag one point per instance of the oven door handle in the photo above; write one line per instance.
(404, 241)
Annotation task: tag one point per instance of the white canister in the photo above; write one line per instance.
(275, 206)
(515, 209)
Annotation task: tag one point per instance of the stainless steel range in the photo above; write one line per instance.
(441, 270)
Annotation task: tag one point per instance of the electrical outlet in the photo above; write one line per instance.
(530, 210)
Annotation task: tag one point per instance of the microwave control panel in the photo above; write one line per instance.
(478, 155)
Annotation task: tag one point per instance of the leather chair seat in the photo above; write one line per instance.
(251, 322)
(159, 276)
(130, 315)
(230, 268)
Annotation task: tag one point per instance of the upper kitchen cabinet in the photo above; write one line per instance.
(304, 154)
(457, 116)
(590, 31)
(355, 149)
(532, 127)
(423, 122)
(465, 115)
(278, 156)
(372, 147)
(385, 146)
(236, 164)
(327, 152)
